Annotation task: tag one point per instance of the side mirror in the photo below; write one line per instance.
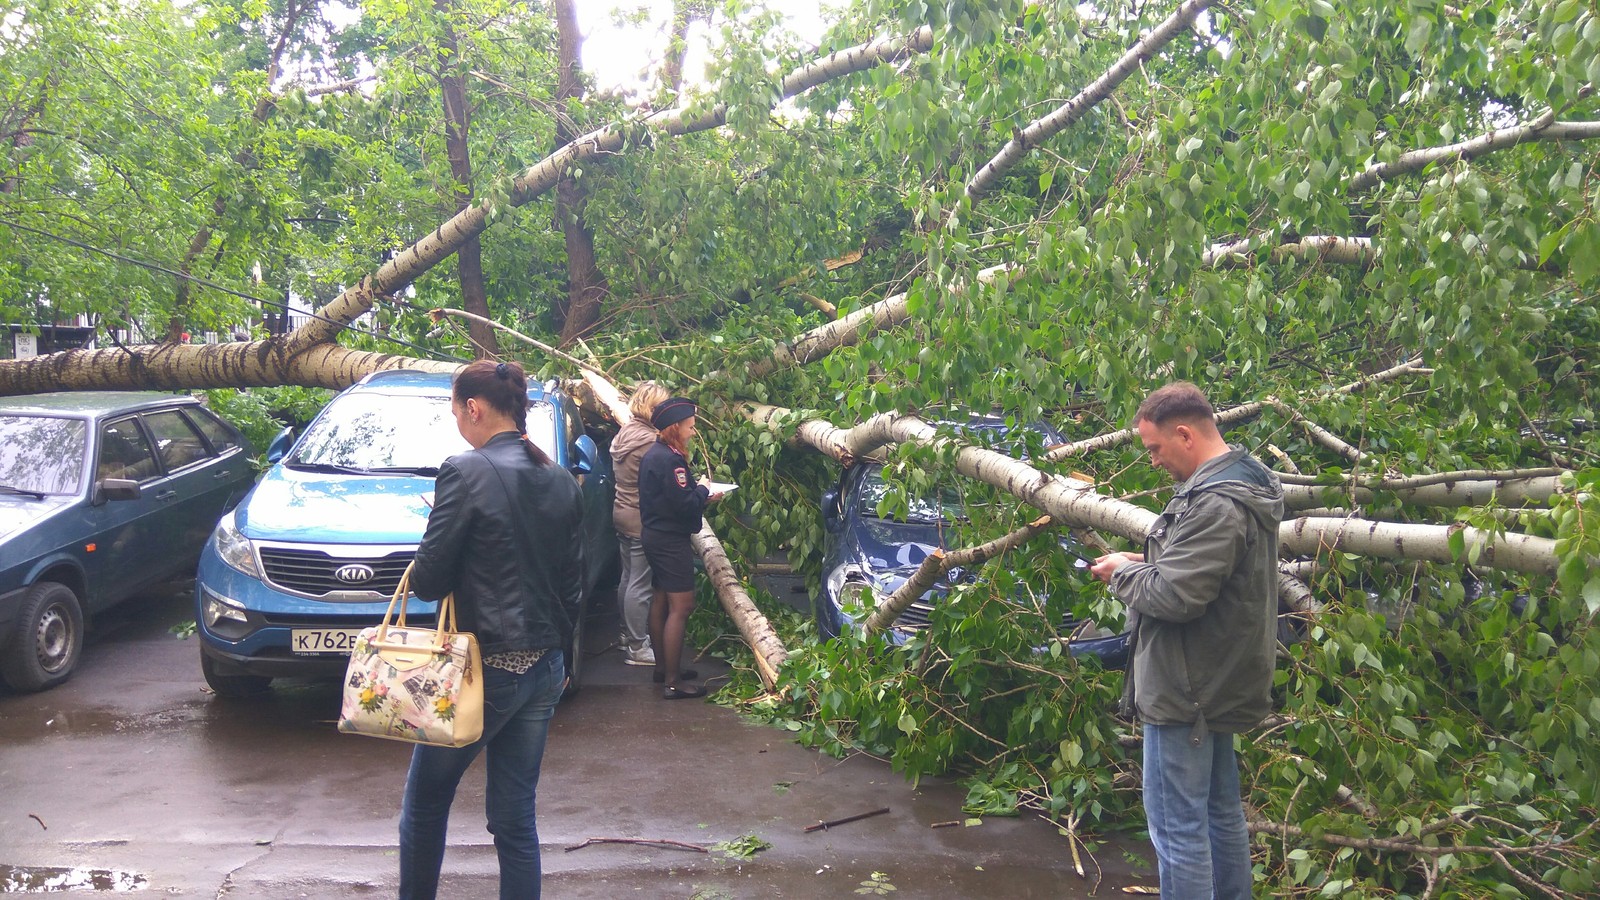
(830, 508)
(114, 489)
(588, 456)
(279, 448)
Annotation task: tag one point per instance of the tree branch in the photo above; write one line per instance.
(938, 562)
(410, 263)
(1075, 109)
(1545, 128)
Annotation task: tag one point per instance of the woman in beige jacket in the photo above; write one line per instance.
(633, 593)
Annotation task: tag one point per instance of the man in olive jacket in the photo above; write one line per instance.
(1202, 604)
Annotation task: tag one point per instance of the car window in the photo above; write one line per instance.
(221, 436)
(542, 427)
(124, 453)
(388, 431)
(177, 443)
(947, 507)
(42, 453)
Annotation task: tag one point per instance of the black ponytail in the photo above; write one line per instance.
(504, 386)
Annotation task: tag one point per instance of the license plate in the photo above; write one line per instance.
(323, 640)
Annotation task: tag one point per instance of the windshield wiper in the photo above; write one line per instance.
(430, 471)
(37, 495)
(329, 468)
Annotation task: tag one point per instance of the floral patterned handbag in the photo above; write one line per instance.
(423, 685)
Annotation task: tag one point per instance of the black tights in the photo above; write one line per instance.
(669, 616)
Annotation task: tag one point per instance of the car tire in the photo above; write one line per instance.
(231, 687)
(48, 640)
(574, 659)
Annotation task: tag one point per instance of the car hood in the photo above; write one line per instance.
(339, 509)
(892, 550)
(17, 513)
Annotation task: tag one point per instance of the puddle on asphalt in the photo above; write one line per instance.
(51, 879)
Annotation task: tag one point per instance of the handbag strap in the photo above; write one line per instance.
(446, 615)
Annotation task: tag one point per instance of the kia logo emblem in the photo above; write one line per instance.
(353, 574)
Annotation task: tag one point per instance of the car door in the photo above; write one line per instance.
(127, 549)
(191, 493)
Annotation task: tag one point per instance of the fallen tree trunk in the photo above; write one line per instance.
(173, 367)
(1510, 492)
(281, 359)
(753, 626)
(1075, 504)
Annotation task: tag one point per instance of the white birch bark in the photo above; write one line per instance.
(1545, 128)
(1074, 503)
(172, 367)
(1069, 113)
(753, 626)
(1504, 492)
(412, 262)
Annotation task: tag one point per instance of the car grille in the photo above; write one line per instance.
(311, 572)
(916, 616)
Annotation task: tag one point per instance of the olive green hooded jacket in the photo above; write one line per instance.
(1203, 605)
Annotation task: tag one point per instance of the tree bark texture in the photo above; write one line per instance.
(172, 367)
(752, 625)
(587, 287)
(847, 331)
(1074, 503)
(1511, 492)
(1063, 116)
(1545, 128)
(457, 130)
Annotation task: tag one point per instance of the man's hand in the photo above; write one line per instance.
(1104, 567)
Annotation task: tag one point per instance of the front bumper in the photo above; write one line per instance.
(261, 645)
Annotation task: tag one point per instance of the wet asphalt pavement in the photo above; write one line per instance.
(133, 778)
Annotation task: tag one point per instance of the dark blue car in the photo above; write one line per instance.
(313, 554)
(863, 549)
(101, 495)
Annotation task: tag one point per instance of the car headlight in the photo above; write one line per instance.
(218, 608)
(235, 549)
(848, 584)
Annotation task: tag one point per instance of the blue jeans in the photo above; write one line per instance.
(1195, 815)
(516, 720)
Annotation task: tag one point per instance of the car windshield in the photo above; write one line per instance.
(42, 454)
(371, 432)
(947, 507)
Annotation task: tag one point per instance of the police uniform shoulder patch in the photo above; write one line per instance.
(682, 475)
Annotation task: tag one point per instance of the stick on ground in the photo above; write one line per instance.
(824, 826)
(677, 845)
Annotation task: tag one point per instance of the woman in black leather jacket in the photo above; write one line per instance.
(505, 537)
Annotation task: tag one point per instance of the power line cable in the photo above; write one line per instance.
(226, 290)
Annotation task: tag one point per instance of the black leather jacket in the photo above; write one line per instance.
(506, 537)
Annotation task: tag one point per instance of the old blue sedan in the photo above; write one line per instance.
(868, 554)
(101, 495)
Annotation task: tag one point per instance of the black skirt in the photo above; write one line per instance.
(671, 560)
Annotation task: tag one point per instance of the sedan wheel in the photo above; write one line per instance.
(48, 639)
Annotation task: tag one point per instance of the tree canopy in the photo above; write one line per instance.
(1043, 209)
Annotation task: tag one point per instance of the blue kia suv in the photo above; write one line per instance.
(313, 554)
